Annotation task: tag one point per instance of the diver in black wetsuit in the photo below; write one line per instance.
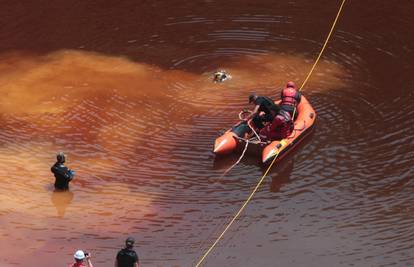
(62, 173)
(265, 105)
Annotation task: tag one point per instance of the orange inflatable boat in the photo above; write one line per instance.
(235, 138)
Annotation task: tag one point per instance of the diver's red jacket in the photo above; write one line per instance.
(281, 127)
(290, 96)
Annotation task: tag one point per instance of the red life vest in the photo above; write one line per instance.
(281, 127)
(286, 126)
(290, 97)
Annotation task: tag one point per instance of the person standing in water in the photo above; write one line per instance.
(127, 257)
(62, 173)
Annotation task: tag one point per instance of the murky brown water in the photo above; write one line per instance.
(124, 88)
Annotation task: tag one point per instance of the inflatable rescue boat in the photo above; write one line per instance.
(235, 139)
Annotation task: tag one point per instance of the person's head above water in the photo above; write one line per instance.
(220, 76)
(60, 157)
(252, 98)
(290, 84)
(129, 242)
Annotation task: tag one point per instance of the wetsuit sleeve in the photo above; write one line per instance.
(58, 171)
(118, 255)
(65, 172)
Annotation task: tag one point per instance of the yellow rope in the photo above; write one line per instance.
(274, 159)
(324, 45)
(237, 214)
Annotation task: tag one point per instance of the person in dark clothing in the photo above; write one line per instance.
(264, 111)
(62, 173)
(290, 98)
(127, 257)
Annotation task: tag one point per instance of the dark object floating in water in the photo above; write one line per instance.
(220, 76)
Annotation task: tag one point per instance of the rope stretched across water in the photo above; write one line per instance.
(275, 157)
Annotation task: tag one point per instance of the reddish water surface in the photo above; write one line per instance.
(124, 88)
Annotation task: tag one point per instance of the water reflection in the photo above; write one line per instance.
(147, 125)
(222, 163)
(61, 200)
(281, 174)
(135, 133)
